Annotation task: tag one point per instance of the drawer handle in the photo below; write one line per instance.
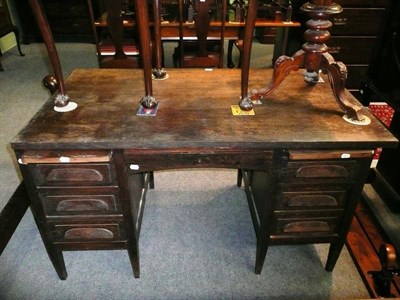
(334, 49)
(306, 226)
(75, 175)
(312, 200)
(82, 205)
(322, 171)
(339, 21)
(88, 233)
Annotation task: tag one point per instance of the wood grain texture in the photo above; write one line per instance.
(195, 112)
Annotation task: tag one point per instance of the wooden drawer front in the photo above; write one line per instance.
(73, 174)
(80, 202)
(316, 226)
(310, 200)
(351, 50)
(86, 232)
(313, 171)
(357, 21)
(156, 160)
(306, 226)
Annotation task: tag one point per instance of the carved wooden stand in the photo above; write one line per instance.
(313, 57)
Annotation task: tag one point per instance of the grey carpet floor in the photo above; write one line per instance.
(197, 239)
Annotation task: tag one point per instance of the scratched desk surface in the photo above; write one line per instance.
(195, 111)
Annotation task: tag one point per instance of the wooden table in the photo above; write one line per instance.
(170, 29)
(87, 171)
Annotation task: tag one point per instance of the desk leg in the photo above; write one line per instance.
(57, 260)
(54, 253)
(261, 253)
(133, 252)
(130, 194)
(151, 180)
(334, 251)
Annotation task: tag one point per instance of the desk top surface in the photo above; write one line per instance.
(195, 112)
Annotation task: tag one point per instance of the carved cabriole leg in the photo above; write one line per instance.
(283, 66)
(337, 74)
(313, 57)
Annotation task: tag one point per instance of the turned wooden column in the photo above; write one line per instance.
(142, 20)
(317, 34)
(313, 57)
(158, 71)
(61, 99)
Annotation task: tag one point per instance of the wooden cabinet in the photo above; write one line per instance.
(382, 85)
(353, 36)
(69, 20)
(76, 199)
(313, 197)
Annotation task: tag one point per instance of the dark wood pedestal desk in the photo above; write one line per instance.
(87, 171)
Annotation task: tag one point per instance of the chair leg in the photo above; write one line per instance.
(1, 67)
(230, 63)
(239, 178)
(16, 33)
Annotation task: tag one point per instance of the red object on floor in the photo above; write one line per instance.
(384, 112)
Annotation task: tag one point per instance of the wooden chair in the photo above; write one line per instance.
(271, 9)
(206, 49)
(117, 45)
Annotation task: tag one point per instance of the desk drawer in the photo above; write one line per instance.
(357, 21)
(311, 200)
(351, 49)
(87, 232)
(146, 160)
(313, 171)
(306, 222)
(73, 174)
(88, 201)
(305, 226)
